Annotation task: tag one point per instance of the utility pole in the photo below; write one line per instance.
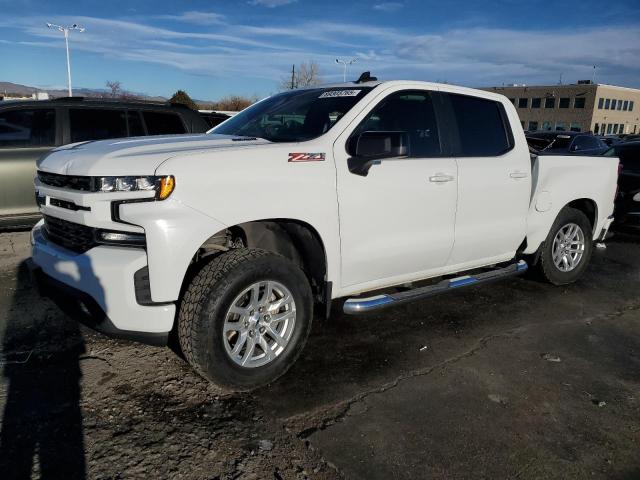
(293, 77)
(65, 31)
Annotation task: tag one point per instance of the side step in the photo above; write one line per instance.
(354, 306)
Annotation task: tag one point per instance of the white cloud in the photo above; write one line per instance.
(388, 6)
(470, 56)
(196, 18)
(271, 3)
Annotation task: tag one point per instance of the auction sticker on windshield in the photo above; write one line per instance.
(340, 93)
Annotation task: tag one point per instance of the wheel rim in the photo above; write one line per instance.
(259, 324)
(568, 247)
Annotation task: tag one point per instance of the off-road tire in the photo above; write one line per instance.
(207, 299)
(546, 268)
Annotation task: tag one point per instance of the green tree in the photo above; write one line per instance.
(183, 98)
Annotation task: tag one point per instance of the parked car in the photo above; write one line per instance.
(232, 239)
(30, 129)
(566, 143)
(627, 211)
(213, 118)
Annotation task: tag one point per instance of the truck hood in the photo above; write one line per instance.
(134, 156)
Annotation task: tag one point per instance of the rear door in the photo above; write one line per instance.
(494, 183)
(397, 221)
(25, 135)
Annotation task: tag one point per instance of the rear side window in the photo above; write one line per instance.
(135, 124)
(96, 124)
(482, 127)
(160, 123)
(28, 128)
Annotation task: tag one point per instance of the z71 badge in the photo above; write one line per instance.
(306, 157)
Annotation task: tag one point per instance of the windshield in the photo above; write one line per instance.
(293, 116)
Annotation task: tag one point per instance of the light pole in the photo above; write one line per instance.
(65, 31)
(346, 63)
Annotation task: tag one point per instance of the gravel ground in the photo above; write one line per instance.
(512, 380)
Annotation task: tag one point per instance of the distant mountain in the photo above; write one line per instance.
(15, 89)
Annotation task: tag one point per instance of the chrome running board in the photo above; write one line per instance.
(354, 306)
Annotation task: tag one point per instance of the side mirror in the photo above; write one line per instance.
(372, 147)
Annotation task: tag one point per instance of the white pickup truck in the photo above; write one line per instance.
(230, 240)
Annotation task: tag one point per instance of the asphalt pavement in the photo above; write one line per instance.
(517, 379)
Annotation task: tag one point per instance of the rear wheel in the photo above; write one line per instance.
(245, 318)
(566, 252)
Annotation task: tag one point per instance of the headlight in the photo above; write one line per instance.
(163, 186)
(636, 197)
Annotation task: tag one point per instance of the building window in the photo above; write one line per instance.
(546, 126)
(549, 102)
(533, 126)
(596, 129)
(564, 102)
(575, 127)
(579, 102)
(619, 104)
(600, 103)
(614, 103)
(560, 127)
(625, 105)
(631, 105)
(522, 124)
(609, 128)
(512, 100)
(523, 102)
(607, 103)
(536, 102)
(621, 129)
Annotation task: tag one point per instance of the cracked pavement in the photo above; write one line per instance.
(516, 379)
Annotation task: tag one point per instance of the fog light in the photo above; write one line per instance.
(122, 238)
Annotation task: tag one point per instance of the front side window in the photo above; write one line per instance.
(96, 124)
(481, 125)
(293, 116)
(27, 128)
(536, 102)
(162, 123)
(410, 112)
(549, 102)
(564, 102)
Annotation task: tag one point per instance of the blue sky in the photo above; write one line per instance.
(220, 47)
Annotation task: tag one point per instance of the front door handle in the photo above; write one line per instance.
(518, 174)
(441, 178)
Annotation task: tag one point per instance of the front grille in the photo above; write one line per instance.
(72, 236)
(86, 184)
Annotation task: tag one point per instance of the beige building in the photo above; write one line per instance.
(582, 107)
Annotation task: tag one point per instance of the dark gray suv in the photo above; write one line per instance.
(29, 129)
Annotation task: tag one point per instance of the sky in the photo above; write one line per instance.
(216, 48)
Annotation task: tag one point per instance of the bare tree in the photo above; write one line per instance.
(115, 87)
(307, 74)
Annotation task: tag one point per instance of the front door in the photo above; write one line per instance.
(397, 221)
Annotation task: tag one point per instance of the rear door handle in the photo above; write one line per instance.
(518, 174)
(441, 178)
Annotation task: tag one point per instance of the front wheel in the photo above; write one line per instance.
(566, 252)
(245, 318)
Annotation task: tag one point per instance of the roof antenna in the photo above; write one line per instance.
(366, 77)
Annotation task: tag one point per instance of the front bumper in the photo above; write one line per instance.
(102, 279)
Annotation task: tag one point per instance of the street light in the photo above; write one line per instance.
(65, 31)
(346, 63)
